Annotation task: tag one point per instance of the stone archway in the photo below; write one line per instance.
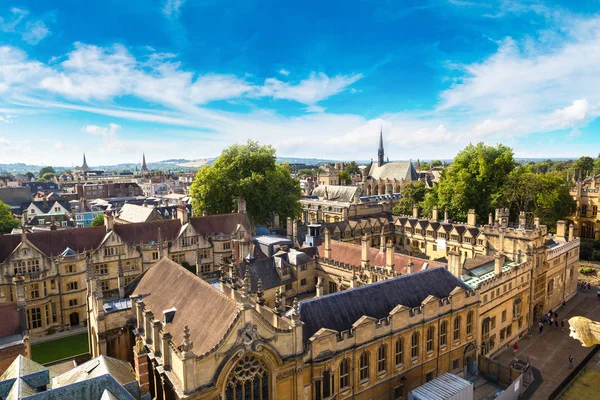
(74, 319)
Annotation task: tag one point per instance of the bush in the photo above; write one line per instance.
(587, 271)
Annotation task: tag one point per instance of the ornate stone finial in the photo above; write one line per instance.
(234, 277)
(222, 274)
(260, 299)
(277, 308)
(246, 286)
(585, 330)
(295, 312)
(187, 344)
(139, 344)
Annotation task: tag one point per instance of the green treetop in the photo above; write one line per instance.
(7, 221)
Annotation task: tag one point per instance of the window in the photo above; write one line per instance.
(128, 280)
(344, 374)
(493, 322)
(399, 351)
(429, 376)
(288, 286)
(303, 282)
(323, 388)
(332, 287)
(101, 269)
(34, 318)
(69, 269)
(363, 367)
(381, 359)
(444, 333)
(34, 291)
(112, 251)
(429, 343)
(179, 258)
(550, 287)
(205, 253)
(303, 267)
(456, 334)
(502, 333)
(517, 308)
(414, 345)
(71, 286)
(188, 241)
(72, 302)
(2, 292)
(249, 379)
(504, 316)
(456, 364)
(508, 331)
(155, 255)
(104, 285)
(205, 268)
(469, 323)
(226, 245)
(485, 298)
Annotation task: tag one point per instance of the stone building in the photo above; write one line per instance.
(586, 193)
(196, 341)
(47, 270)
(328, 178)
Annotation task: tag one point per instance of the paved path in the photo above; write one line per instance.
(71, 332)
(549, 352)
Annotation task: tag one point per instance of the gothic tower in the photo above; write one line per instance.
(84, 167)
(380, 152)
(144, 166)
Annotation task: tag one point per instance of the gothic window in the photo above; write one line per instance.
(414, 345)
(399, 351)
(249, 379)
(323, 388)
(344, 374)
(443, 333)
(364, 367)
(550, 287)
(430, 333)
(470, 323)
(456, 334)
(381, 358)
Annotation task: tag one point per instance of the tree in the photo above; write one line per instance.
(45, 170)
(435, 163)
(345, 178)
(248, 171)
(472, 180)
(306, 171)
(7, 220)
(98, 220)
(583, 166)
(352, 168)
(30, 175)
(48, 176)
(412, 194)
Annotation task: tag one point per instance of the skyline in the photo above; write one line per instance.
(184, 79)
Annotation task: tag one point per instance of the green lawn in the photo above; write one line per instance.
(60, 348)
(586, 386)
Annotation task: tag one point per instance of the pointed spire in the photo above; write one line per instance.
(144, 166)
(187, 344)
(84, 167)
(380, 151)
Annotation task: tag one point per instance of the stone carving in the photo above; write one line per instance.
(139, 344)
(585, 330)
(248, 334)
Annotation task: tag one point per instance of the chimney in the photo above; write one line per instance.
(276, 221)
(183, 214)
(560, 230)
(364, 259)
(142, 369)
(409, 266)
(454, 265)
(471, 217)
(571, 231)
(503, 217)
(389, 256)
(327, 244)
(522, 220)
(446, 219)
(415, 211)
(241, 205)
(290, 229)
(536, 222)
(490, 219)
(109, 221)
(74, 214)
(434, 213)
(319, 286)
(24, 218)
(381, 242)
(498, 263)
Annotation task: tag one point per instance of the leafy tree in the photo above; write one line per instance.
(472, 180)
(306, 171)
(352, 168)
(584, 165)
(98, 220)
(7, 221)
(45, 170)
(48, 176)
(345, 178)
(412, 194)
(435, 163)
(248, 171)
(30, 175)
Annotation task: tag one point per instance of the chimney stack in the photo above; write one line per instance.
(434, 213)
(498, 263)
(415, 211)
(74, 215)
(319, 287)
(276, 221)
(490, 219)
(364, 259)
(409, 266)
(241, 205)
(290, 229)
(536, 222)
(471, 217)
(109, 221)
(522, 220)
(446, 219)
(454, 265)
(571, 232)
(560, 230)
(389, 256)
(183, 214)
(24, 218)
(327, 243)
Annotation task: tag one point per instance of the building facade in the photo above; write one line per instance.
(585, 219)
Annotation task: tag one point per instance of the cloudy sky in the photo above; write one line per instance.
(185, 78)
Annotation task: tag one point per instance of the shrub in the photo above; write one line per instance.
(587, 271)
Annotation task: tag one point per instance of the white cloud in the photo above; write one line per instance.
(315, 109)
(32, 32)
(283, 71)
(172, 8)
(106, 132)
(35, 32)
(569, 116)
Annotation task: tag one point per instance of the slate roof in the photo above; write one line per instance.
(118, 369)
(14, 197)
(350, 253)
(220, 223)
(344, 194)
(265, 270)
(393, 170)
(208, 312)
(339, 311)
(134, 213)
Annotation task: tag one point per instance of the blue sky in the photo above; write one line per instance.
(185, 78)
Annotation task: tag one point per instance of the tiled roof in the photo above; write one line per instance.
(344, 194)
(350, 253)
(477, 261)
(147, 232)
(133, 213)
(339, 311)
(220, 223)
(265, 270)
(399, 170)
(207, 311)
(118, 369)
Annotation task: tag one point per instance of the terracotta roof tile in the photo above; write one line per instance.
(207, 311)
(147, 232)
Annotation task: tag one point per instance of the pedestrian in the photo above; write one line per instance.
(529, 332)
(555, 315)
(541, 326)
(571, 362)
(551, 321)
(545, 320)
(515, 347)
(562, 325)
(589, 286)
(556, 322)
(564, 303)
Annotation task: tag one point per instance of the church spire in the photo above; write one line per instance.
(85, 167)
(380, 152)
(144, 166)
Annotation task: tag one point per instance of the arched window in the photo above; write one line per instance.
(344, 374)
(414, 345)
(469, 323)
(456, 335)
(249, 379)
(444, 333)
(430, 333)
(399, 351)
(363, 367)
(381, 358)
(550, 286)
